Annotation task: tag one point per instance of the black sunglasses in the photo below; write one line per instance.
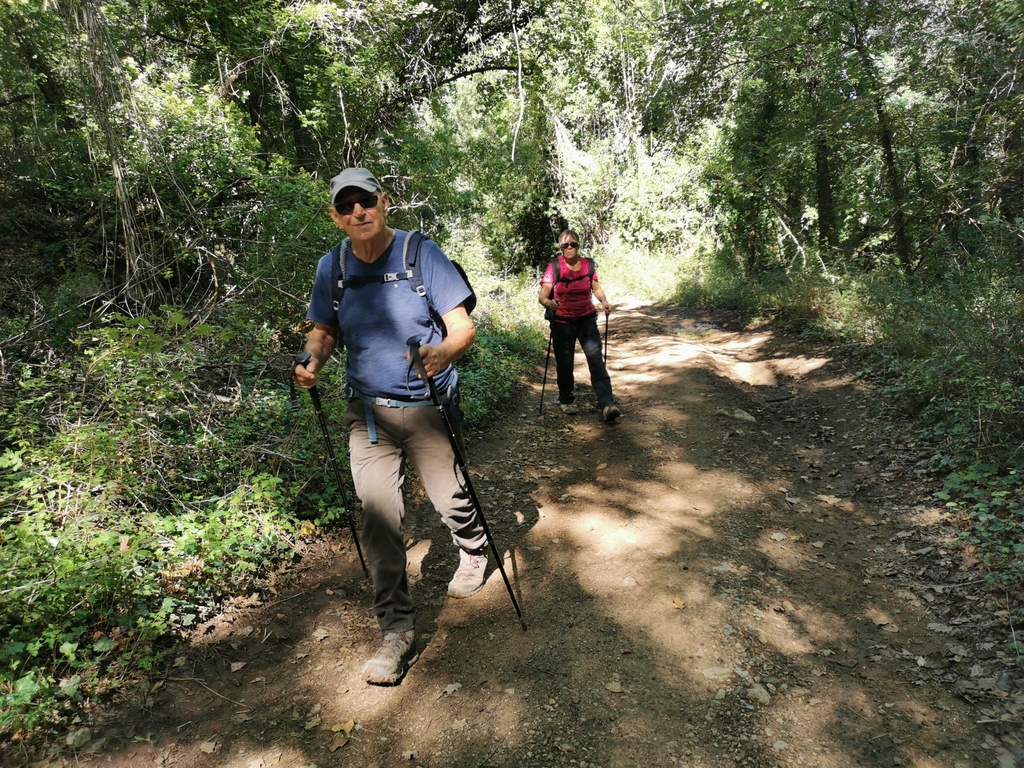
(346, 208)
(567, 246)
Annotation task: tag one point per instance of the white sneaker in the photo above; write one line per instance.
(569, 409)
(470, 575)
(389, 663)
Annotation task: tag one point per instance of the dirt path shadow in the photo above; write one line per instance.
(736, 573)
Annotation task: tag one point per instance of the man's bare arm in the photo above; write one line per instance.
(461, 334)
(320, 344)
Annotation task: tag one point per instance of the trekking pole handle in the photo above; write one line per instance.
(417, 361)
(302, 358)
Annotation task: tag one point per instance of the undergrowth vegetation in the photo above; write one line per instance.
(153, 469)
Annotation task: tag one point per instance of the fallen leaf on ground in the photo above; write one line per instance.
(237, 665)
(337, 742)
(452, 688)
(830, 500)
(614, 686)
(321, 634)
(779, 536)
(344, 727)
(409, 755)
(312, 723)
(208, 747)
(678, 603)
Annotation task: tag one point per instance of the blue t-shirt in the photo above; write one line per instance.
(376, 319)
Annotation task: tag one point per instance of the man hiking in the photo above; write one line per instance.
(367, 299)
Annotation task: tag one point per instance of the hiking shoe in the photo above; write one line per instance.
(470, 575)
(611, 413)
(569, 409)
(389, 663)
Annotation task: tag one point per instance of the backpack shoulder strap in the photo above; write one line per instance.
(556, 272)
(411, 261)
(338, 253)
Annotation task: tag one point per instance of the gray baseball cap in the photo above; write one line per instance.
(360, 178)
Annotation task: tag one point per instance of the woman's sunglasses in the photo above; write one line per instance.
(567, 246)
(366, 203)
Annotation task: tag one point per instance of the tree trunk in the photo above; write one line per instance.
(887, 138)
(892, 172)
(828, 232)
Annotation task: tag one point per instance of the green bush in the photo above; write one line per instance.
(138, 492)
(988, 500)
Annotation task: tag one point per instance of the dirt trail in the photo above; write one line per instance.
(743, 570)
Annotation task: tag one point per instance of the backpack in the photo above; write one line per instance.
(549, 314)
(411, 272)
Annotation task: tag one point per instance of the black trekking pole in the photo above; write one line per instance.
(547, 359)
(301, 359)
(417, 360)
(606, 338)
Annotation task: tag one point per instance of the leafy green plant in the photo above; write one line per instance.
(990, 502)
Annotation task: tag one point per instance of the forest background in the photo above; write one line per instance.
(852, 170)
